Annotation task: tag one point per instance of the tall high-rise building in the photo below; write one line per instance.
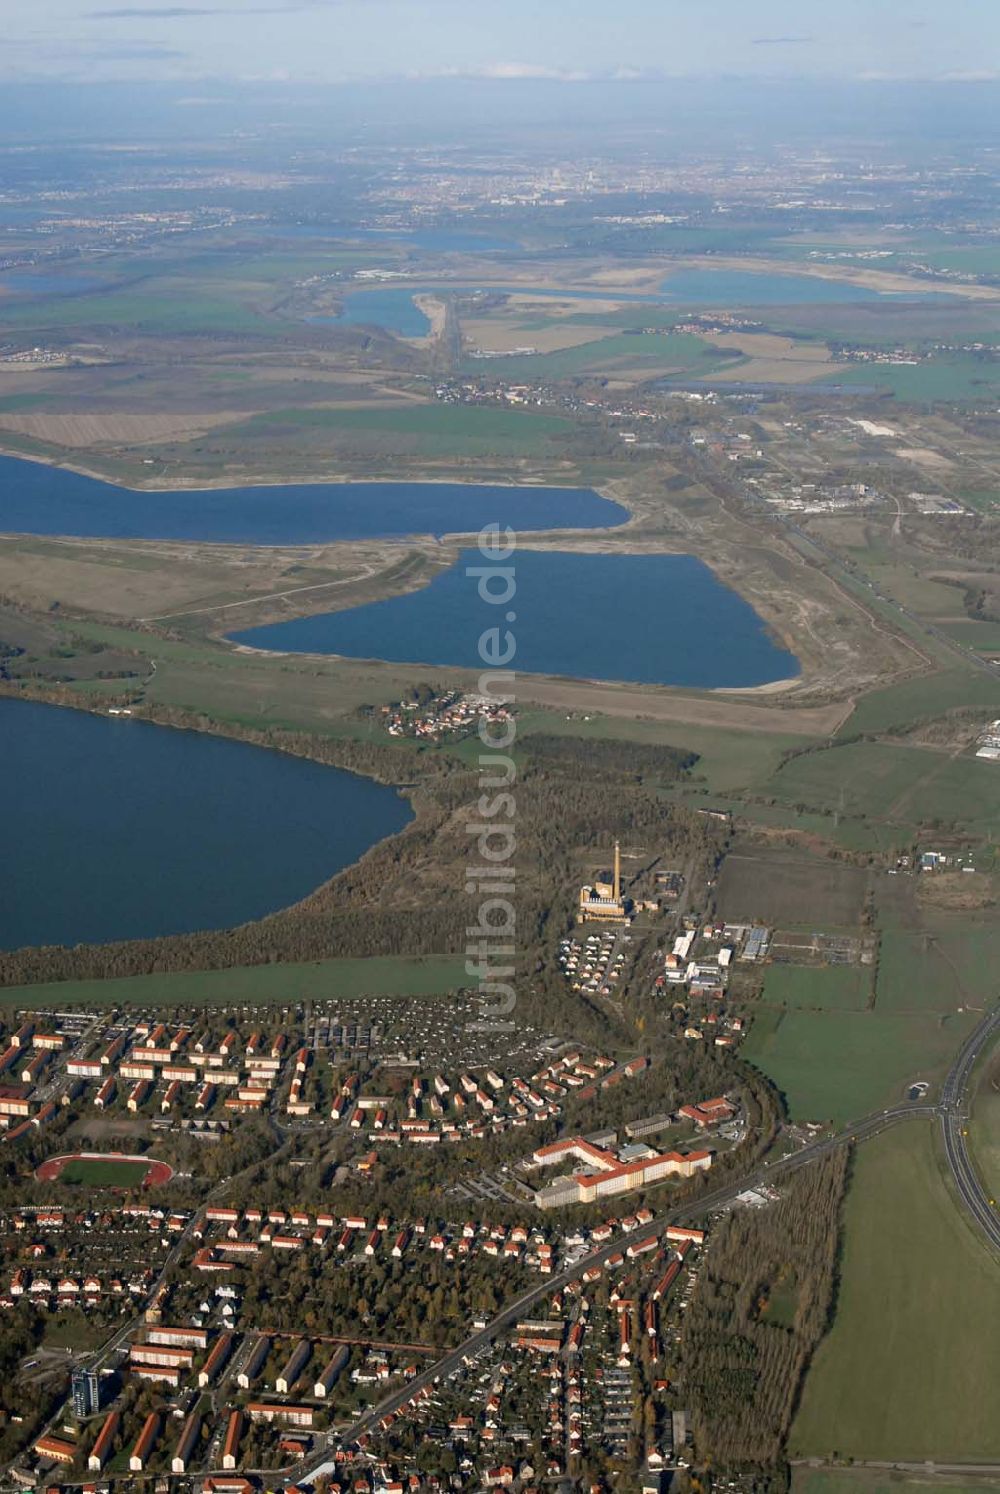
(86, 1392)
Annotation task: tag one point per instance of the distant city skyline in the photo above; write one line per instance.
(562, 40)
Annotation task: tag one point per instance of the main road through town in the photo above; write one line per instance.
(951, 1108)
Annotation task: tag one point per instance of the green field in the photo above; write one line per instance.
(660, 352)
(910, 1368)
(162, 305)
(95, 1172)
(422, 430)
(922, 699)
(937, 971)
(981, 637)
(387, 975)
(840, 1065)
(833, 988)
(727, 760)
(948, 378)
(877, 1481)
(903, 785)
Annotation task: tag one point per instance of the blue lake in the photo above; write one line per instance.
(394, 309)
(118, 829)
(38, 499)
(650, 619)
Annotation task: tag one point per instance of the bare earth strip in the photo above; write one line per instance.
(696, 710)
(102, 427)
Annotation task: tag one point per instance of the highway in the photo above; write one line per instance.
(954, 1115)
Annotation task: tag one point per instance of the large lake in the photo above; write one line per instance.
(118, 829)
(651, 619)
(37, 499)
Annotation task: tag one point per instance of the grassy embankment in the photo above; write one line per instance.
(258, 985)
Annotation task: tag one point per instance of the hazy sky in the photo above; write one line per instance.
(349, 39)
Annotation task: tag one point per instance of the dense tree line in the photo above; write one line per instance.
(763, 1301)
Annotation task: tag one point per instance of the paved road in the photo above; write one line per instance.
(954, 1114)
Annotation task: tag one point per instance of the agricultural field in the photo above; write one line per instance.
(839, 1065)
(960, 379)
(827, 988)
(726, 760)
(776, 885)
(256, 985)
(432, 431)
(906, 1371)
(860, 1480)
(938, 969)
(623, 355)
(922, 699)
(903, 785)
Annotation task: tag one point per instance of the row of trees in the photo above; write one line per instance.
(763, 1302)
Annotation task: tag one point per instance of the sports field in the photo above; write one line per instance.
(910, 1368)
(388, 975)
(97, 1173)
(104, 1170)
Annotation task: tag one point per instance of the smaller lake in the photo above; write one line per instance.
(38, 499)
(648, 619)
(118, 829)
(394, 309)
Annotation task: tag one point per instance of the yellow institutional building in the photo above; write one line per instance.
(603, 903)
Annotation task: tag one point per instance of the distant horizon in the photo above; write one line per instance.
(334, 41)
(710, 112)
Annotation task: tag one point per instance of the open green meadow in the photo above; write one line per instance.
(933, 970)
(904, 785)
(727, 760)
(860, 1480)
(829, 988)
(255, 985)
(156, 306)
(659, 352)
(907, 1370)
(421, 430)
(921, 699)
(958, 378)
(840, 1065)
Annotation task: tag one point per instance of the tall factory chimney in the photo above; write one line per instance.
(617, 889)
